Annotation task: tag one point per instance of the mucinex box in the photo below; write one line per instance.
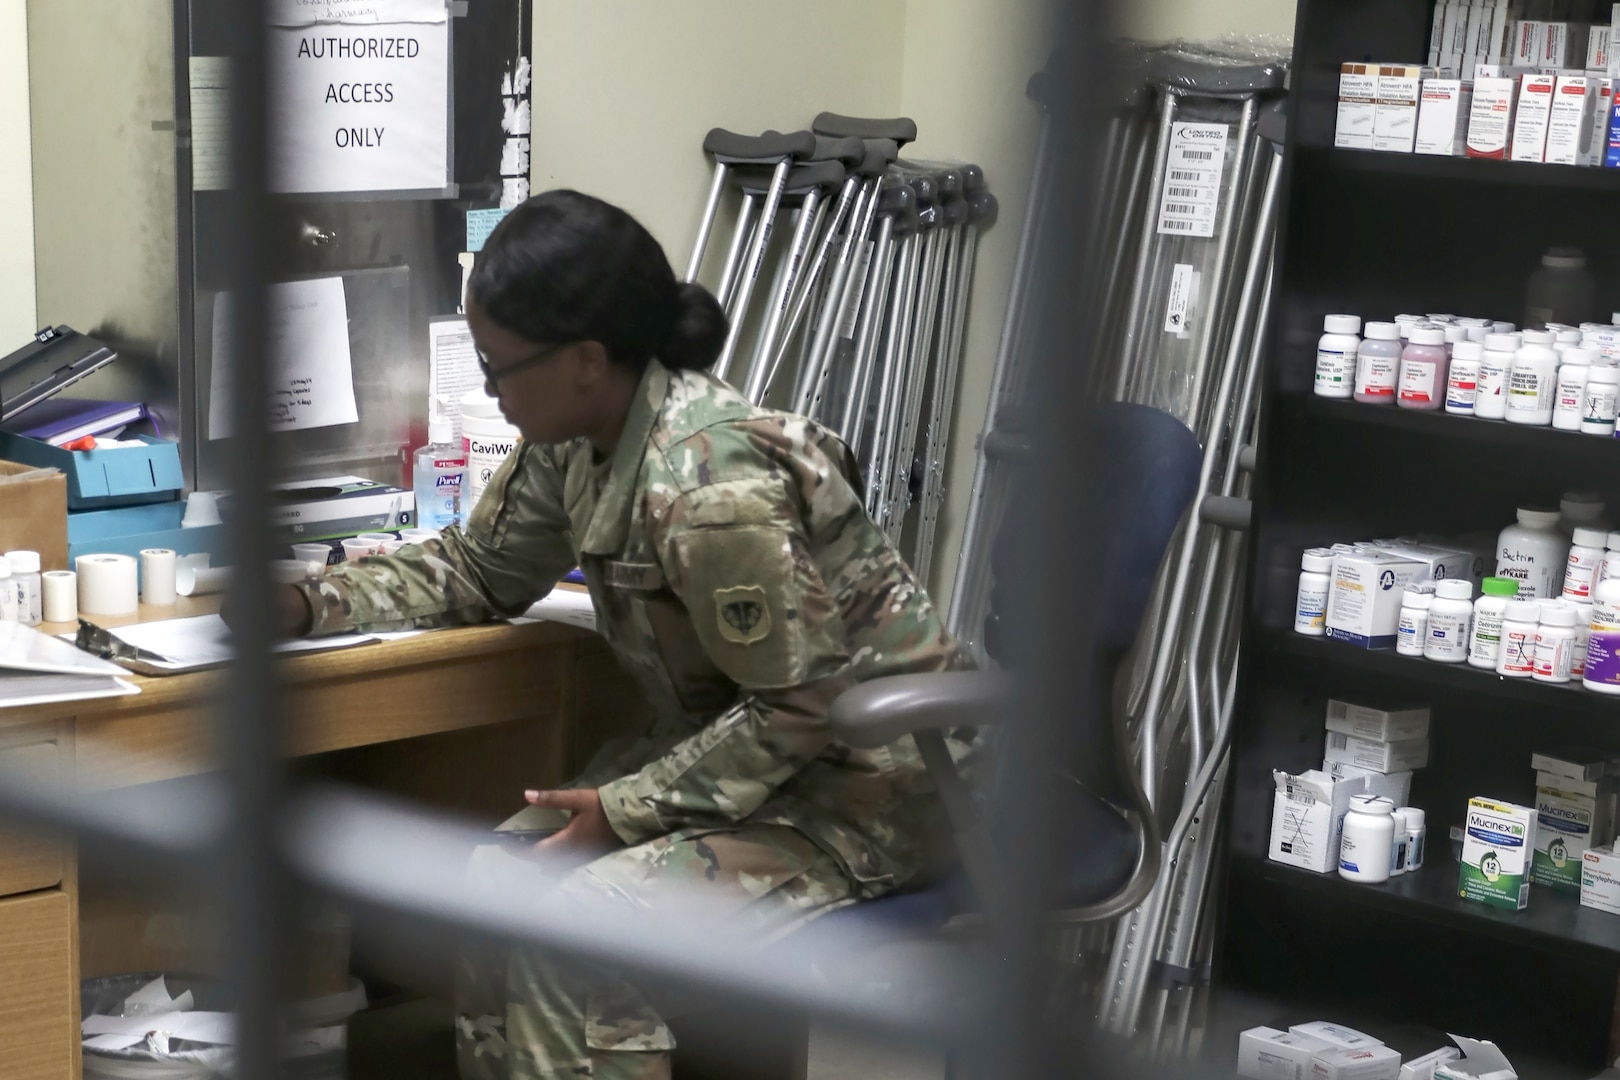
(1571, 816)
(1386, 725)
(1364, 598)
(1498, 838)
(1268, 1054)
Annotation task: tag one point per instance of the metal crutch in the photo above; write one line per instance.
(896, 213)
(878, 448)
(729, 149)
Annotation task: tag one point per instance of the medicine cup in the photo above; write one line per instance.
(418, 536)
(289, 571)
(377, 538)
(315, 556)
(358, 549)
(391, 547)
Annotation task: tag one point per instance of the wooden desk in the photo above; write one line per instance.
(541, 677)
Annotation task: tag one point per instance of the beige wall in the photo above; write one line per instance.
(16, 182)
(1203, 20)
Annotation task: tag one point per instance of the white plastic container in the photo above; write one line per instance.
(1310, 608)
(1378, 364)
(1369, 835)
(1494, 364)
(1417, 835)
(1532, 381)
(25, 577)
(1423, 369)
(1413, 628)
(1597, 401)
(487, 439)
(1585, 560)
(1533, 552)
(1462, 378)
(1519, 623)
(1449, 619)
(1397, 846)
(1555, 642)
(1583, 640)
(1570, 393)
(1485, 639)
(1336, 356)
(1576, 508)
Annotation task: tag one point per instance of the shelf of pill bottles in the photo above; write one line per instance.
(1523, 438)
(1463, 677)
(1465, 170)
(1553, 920)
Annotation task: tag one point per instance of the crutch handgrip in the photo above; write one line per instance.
(1273, 123)
(982, 209)
(850, 151)
(1227, 511)
(766, 149)
(817, 175)
(902, 129)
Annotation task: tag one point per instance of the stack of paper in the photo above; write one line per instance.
(37, 669)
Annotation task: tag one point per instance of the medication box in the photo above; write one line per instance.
(1442, 125)
(1358, 100)
(1490, 116)
(1497, 841)
(1530, 121)
(1307, 819)
(1571, 815)
(1440, 562)
(1479, 1061)
(1395, 786)
(1340, 1036)
(1387, 725)
(1569, 124)
(1600, 879)
(1423, 1068)
(1597, 50)
(1268, 1054)
(1367, 1063)
(1563, 44)
(1584, 766)
(1376, 755)
(1395, 115)
(1364, 598)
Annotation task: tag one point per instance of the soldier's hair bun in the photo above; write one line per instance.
(699, 330)
(566, 267)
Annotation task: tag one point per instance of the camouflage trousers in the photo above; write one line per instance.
(523, 1015)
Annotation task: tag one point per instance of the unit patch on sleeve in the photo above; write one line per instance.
(744, 614)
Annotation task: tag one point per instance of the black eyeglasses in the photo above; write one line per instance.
(494, 377)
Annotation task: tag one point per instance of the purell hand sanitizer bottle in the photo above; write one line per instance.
(439, 469)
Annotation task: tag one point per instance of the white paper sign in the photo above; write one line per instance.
(359, 108)
(311, 375)
(452, 365)
(1192, 179)
(354, 12)
(210, 122)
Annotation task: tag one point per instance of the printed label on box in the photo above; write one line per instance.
(1192, 179)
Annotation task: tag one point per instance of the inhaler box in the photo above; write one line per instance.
(1268, 1054)
(1600, 879)
(1498, 838)
(1600, 119)
(1442, 125)
(1563, 45)
(1358, 101)
(1395, 115)
(1367, 1063)
(1529, 41)
(1530, 121)
(1364, 598)
(1387, 725)
(1422, 1068)
(1395, 786)
(1375, 754)
(1307, 819)
(1490, 116)
(1597, 50)
(1569, 124)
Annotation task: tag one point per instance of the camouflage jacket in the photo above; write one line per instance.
(737, 576)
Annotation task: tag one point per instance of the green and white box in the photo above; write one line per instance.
(1384, 725)
(1571, 816)
(1498, 838)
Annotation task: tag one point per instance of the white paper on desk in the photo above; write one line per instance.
(204, 641)
(452, 365)
(18, 688)
(210, 78)
(565, 606)
(22, 648)
(311, 371)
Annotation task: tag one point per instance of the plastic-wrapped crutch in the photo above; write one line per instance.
(896, 221)
(843, 286)
(804, 190)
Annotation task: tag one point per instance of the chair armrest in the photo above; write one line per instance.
(879, 711)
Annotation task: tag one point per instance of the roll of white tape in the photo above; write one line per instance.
(195, 577)
(61, 589)
(157, 576)
(107, 585)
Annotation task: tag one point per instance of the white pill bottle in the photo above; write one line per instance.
(1336, 356)
(1369, 837)
(1533, 552)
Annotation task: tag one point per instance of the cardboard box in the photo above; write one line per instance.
(1364, 597)
(1442, 125)
(1358, 101)
(1597, 50)
(1600, 879)
(1490, 116)
(1454, 27)
(1478, 37)
(1366, 1063)
(1580, 765)
(1611, 139)
(1395, 786)
(1498, 839)
(1571, 816)
(1437, 33)
(1375, 754)
(35, 517)
(1386, 725)
(1501, 33)
(1563, 45)
(1530, 120)
(1307, 820)
(1268, 1054)
(1569, 124)
(1479, 1061)
(1422, 1068)
(1340, 1036)
(1441, 562)
(1395, 115)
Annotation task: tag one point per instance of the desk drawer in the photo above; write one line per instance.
(38, 1031)
(29, 861)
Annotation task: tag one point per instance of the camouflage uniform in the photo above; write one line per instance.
(737, 576)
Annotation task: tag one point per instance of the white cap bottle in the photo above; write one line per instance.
(1368, 836)
(1336, 356)
(1494, 364)
(1310, 608)
(1450, 618)
(1555, 642)
(1597, 402)
(1569, 393)
(1532, 380)
(1533, 552)
(1519, 623)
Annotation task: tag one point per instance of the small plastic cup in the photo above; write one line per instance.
(418, 536)
(289, 571)
(315, 555)
(377, 538)
(390, 547)
(357, 549)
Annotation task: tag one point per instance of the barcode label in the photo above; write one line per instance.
(1192, 187)
(1338, 740)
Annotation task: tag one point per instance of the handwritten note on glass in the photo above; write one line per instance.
(311, 376)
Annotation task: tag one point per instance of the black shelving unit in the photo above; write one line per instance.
(1375, 234)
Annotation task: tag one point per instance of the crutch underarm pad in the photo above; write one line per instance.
(850, 151)
(902, 129)
(880, 154)
(879, 711)
(766, 149)
(800, 179)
